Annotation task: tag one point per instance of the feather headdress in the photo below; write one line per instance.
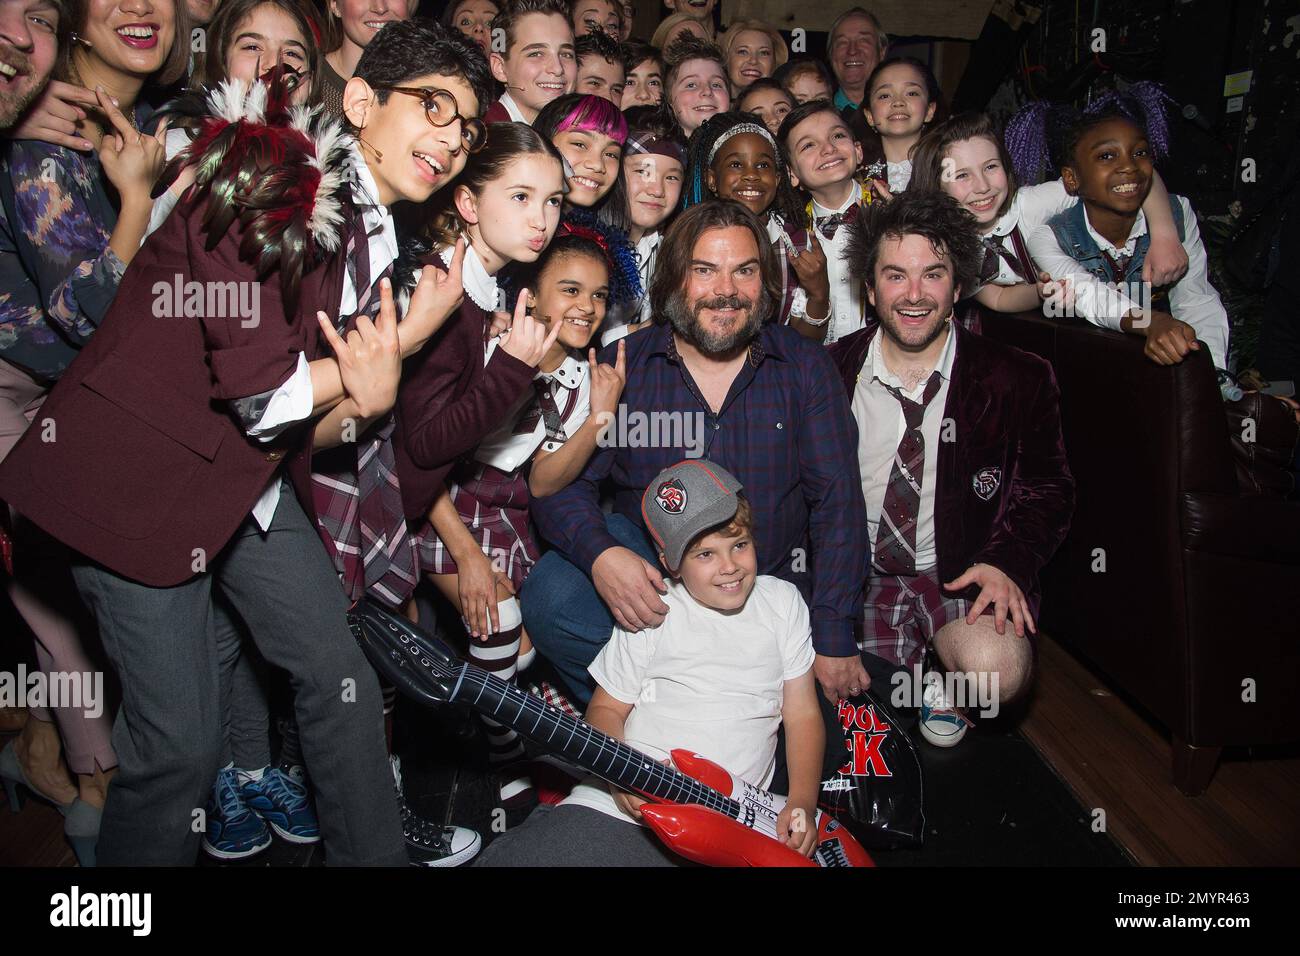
(282, 172)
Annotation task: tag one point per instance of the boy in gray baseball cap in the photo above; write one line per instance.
(730, 664)
(685, 508)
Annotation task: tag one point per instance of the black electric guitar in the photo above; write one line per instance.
(717, 818)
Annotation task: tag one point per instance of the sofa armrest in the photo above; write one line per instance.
(1248, 527)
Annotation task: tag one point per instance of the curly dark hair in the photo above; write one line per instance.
(935, 215)
(598, 43)
(405, 50)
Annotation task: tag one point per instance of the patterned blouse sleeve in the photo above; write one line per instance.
(61, 207)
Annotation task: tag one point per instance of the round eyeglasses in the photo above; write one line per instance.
(441, 109)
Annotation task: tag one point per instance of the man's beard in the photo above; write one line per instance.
(13, 104)
(890, 329)
(686, 321)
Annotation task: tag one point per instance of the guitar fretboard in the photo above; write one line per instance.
(582, 743)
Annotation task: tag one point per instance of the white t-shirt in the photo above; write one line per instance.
(708, 682)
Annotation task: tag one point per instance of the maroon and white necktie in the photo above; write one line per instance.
(895, 551)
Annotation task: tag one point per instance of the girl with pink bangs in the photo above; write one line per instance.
(589, 131)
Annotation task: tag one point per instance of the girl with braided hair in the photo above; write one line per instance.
(734, 156)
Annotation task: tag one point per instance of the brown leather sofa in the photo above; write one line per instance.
(1181, 590)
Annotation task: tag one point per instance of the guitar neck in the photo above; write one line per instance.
(581, 743)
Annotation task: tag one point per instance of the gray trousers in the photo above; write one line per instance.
(163, 643)
(244, 680)
(577, 836)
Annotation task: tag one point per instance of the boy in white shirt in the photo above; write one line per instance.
(730, 664)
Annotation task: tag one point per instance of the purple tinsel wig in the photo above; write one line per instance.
(1041, 137)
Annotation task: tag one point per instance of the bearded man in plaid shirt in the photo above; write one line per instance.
(772, 413)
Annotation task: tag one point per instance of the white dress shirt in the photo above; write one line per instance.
(647, 257)
(775, 233)
(512, 108)
(881, 425)
(1030, 207)
(293, 401)
(175, 141)
(846, 291)
(480, 285)
(508, 450)
(1191, 299)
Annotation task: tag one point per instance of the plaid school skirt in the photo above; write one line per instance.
(493, 505)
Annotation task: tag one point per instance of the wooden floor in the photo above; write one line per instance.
(1115, 760)
(33, 837)
(1108, 755)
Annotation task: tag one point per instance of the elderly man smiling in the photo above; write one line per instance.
(856, 44)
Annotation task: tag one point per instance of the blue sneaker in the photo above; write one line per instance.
(281, 799)
(234, 831)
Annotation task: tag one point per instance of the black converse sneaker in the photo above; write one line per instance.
(428, 844)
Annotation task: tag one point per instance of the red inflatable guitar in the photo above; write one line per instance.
(699, 809)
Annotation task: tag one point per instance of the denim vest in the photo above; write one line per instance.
(1071, 231)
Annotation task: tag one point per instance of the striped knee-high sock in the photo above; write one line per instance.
(497, 655)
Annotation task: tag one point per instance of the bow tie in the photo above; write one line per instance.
(828, 226)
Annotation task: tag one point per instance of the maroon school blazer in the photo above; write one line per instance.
(1005, 494)
(146, 469)
(497, 113)
(448, 402)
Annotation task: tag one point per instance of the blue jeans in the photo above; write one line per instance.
(565, 617)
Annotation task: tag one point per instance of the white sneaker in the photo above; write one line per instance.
(942, 724)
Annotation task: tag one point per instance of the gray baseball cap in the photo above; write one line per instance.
(685, 500)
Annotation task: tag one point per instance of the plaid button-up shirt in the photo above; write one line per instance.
(785, 430)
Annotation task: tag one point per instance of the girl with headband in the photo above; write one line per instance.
(481, 542)
(647, 194)
(505, 207)
(733, 156)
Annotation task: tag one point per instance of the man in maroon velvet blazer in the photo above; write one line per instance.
(963, 468)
